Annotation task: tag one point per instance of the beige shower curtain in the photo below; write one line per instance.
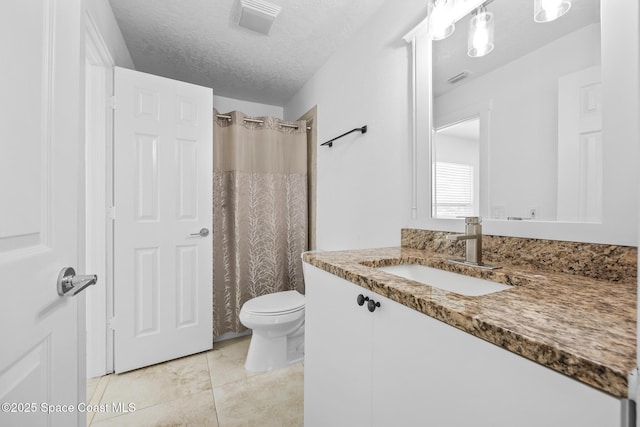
(259, 213)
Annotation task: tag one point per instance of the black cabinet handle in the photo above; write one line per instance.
(371, 305)
(361, 299)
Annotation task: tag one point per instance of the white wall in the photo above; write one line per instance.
(523, 141)
(363, 183)
(252, 109)
(102, 15)
(453, 149)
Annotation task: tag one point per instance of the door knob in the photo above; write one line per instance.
(204, 232)
(371, 305)
(68, 284)
(361, 299)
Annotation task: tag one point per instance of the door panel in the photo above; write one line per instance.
(186, 285)
(146, 291)
(580, 160)
(163, 197)
(187, 179)
(146, 172)
(40, 148)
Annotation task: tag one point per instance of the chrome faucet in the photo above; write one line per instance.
(473, 242)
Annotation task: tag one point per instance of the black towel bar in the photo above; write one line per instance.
(363, 129)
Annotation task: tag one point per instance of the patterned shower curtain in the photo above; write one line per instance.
(259, 213)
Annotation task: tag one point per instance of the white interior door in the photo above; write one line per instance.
(580, 176)
(163, 198)
(41, 333)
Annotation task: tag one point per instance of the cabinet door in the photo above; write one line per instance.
(337, 365)
(427, 373)
(402, 375)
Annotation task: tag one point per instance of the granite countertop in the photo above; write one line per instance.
(579, 326)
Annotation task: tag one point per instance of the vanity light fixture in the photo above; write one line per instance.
(549, 10)
(441, 22)
(480, 38)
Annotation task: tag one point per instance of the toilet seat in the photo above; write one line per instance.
(275, 304)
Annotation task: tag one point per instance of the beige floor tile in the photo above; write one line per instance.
(97, 394)
(100, 389)
(226, 361)
(92, 384)
(272, 398)
(195, 410)
(180, 393)
(156, 384)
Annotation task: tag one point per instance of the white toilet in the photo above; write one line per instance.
(277, 321)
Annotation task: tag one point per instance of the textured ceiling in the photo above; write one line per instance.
(197, 41)
(515, 34)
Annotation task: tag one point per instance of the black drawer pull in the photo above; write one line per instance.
(371, 305)
(361, 299)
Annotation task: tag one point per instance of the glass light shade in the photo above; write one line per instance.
(480, 38)
(549, 10)
(440, 23)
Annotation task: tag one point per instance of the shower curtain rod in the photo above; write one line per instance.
(250, 120)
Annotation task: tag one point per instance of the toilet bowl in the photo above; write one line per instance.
(277, 322)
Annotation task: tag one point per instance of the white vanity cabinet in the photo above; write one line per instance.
(338, 353)
(398, 367)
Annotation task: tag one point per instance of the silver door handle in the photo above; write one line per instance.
(204, 232)
(69, 284)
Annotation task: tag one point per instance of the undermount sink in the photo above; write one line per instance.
(445, 280)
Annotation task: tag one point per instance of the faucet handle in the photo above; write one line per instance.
(471, 219)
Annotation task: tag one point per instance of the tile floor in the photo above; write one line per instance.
(206, 389)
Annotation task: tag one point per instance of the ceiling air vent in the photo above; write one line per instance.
(257, 15)
(460, 76)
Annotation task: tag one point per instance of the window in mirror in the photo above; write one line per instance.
(456, 159)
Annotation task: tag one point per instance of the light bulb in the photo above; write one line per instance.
(549, 10)
(440, 23)
(480, 39)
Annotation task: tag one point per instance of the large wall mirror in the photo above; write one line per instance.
(540, 136)
(537, 97)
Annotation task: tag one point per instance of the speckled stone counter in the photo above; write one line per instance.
(576, 324)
